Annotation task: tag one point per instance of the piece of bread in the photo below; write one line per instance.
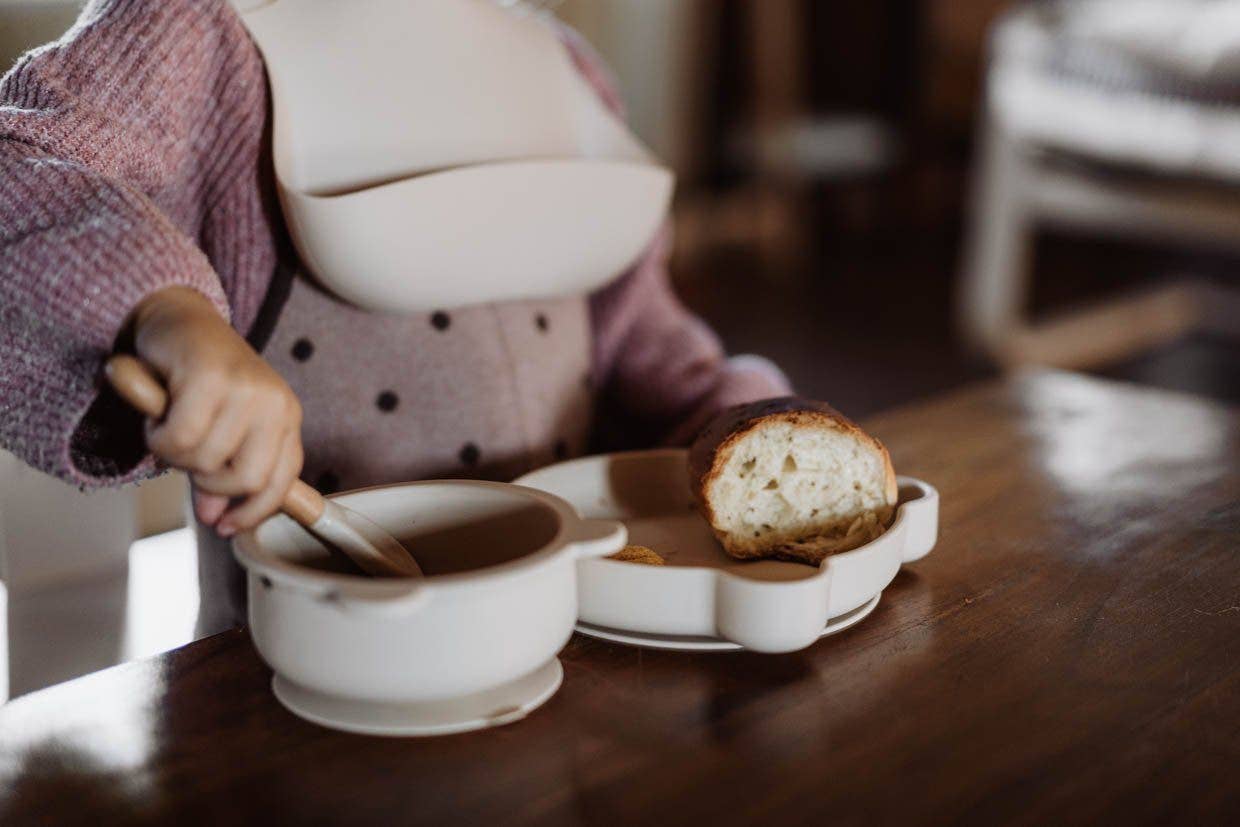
(792, 479)
(638, 554)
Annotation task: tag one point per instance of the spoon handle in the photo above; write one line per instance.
(137, 385)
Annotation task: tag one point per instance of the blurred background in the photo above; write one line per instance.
(895, 197)
(889, 199)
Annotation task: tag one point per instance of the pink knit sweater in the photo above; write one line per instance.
(133, 157)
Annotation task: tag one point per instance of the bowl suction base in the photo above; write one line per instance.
(493, 707)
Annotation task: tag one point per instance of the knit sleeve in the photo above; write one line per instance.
(118, 145)
(662, 373)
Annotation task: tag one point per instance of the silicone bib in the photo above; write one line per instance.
(438, 153)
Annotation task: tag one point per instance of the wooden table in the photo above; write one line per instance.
(1069, 653)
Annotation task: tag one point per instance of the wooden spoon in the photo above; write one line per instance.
(374, 550)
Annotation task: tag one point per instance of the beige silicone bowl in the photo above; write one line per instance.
(499, 599)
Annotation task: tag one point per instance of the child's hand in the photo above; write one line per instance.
(232, 422)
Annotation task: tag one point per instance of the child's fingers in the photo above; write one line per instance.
(177, 438)
(208, 507)
(266, 502)
(224, 438)
(250, 468)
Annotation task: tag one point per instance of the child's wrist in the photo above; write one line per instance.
(183, 302)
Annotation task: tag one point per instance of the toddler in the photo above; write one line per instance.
(137, 212)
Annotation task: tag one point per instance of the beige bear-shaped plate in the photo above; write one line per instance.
(764, 606)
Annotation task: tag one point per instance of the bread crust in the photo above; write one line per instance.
(713, 447)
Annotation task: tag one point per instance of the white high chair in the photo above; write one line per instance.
(1143, 98)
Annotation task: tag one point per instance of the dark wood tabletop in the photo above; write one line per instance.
(1070, 653)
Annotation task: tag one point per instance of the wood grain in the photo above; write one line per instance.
(1070, 653)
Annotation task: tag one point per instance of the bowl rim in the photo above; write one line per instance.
(257, 560)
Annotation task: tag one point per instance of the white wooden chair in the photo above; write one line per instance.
(1143, 97)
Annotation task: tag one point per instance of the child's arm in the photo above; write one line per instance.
(661, 372)
(660, 367)
(129, 156)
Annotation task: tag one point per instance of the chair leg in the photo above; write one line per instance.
(1219, 310)
(1108, 332)
(998, 248)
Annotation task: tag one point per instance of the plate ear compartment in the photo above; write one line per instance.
(750, 613)
(920, 511)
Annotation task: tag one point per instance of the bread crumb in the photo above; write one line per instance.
(638, 554)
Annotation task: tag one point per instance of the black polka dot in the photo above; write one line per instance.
(387, 401)
(266, 581)
(327, 483)
(561, 449)
(303, 349)
(469, 454)
(441, 320)
(543, 324)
